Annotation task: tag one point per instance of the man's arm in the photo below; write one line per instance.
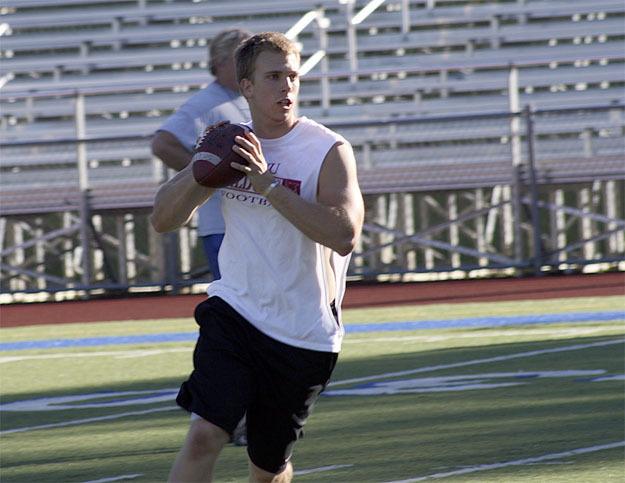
(336, 219)
(176, 200)
(167, 147)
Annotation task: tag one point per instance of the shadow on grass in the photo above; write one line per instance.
(383, 437)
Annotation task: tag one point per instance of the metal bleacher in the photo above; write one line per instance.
(135, 61)
(447, 103)
(122, 38)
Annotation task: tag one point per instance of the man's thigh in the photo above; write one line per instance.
(289, 381)
(220, 387)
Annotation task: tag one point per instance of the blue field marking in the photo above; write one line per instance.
(98, 341)
(473, 322)
(493, 322)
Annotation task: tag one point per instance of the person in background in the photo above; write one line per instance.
(220, 101)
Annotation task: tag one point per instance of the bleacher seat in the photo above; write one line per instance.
(135, 61)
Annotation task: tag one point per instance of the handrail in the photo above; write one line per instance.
(366, 11)
(302, 23)
(323, 23)
(311, 62)
(5, 79)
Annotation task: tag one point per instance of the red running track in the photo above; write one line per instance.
(357, 295)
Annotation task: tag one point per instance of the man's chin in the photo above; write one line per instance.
(285, 117)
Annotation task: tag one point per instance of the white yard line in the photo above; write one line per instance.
(479, 335)
(525, 461)
(343, 382)
(88, 420)
(518, 355)
(320, 469)
(128, 354)
(116, 478)
(352, 339)
(116, 354)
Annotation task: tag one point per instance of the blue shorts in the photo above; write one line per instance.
(211, 244)
(239, 370)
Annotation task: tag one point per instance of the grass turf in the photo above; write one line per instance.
(372, 438)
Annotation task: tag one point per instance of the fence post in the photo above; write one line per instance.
(83, 185)
(515, 121)
(171, 243)
(85, 239)
(322, 25)
(405, 19)
(517, 210)
(351, 41)
(531, 171)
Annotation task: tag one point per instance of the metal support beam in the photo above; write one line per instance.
(405, 18)
(533, 188)
(352, 49)
(85, 239)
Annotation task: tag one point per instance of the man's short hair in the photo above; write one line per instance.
(247, 53)
(223, 45)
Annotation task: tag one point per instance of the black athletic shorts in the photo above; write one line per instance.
(239, 370)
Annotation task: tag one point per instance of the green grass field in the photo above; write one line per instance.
(538, 403)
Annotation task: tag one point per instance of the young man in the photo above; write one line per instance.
(270, 331)
(220, 101)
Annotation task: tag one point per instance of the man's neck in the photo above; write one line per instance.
(270, 130)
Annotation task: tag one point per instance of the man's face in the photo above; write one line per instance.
(273, 91)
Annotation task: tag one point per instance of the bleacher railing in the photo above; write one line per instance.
(507, 189)
(452, 194)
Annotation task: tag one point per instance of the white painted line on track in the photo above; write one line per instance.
(116, 478)
(518, 355)
(525, 461)
(88, 420)
(320, 469)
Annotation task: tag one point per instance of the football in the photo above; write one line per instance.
(213, 154)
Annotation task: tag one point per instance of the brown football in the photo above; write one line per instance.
(213, 154)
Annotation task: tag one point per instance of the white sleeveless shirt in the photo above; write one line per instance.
(273, 274)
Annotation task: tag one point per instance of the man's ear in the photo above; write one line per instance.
(245, 87)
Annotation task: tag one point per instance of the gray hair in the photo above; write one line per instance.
(223, 45)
